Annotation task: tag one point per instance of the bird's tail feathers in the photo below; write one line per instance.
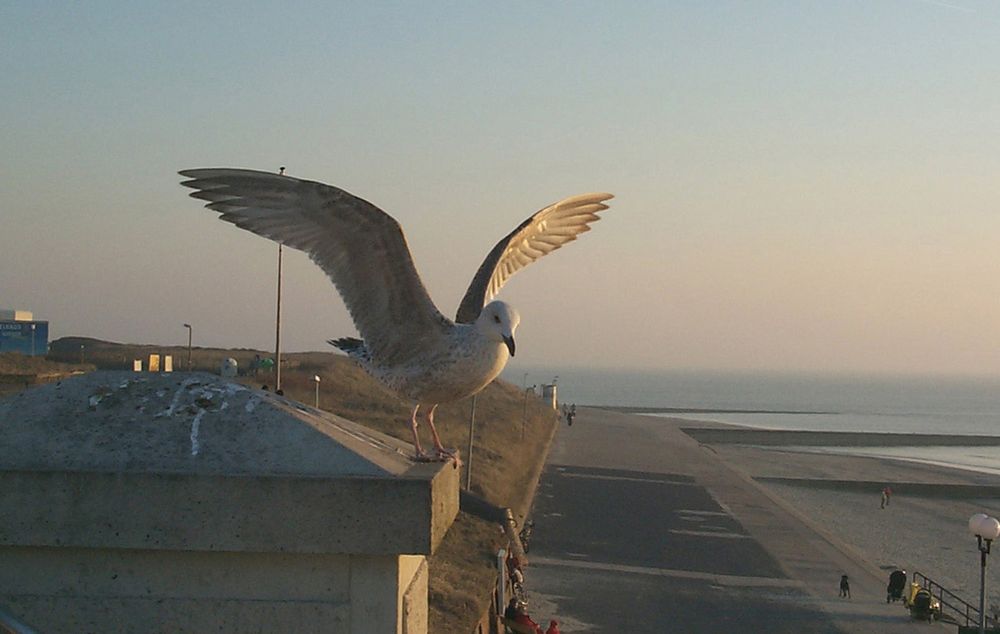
(351, 345)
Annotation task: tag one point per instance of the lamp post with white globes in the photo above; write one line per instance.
(986, 529)
(317, 379)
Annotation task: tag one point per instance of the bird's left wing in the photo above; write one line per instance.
(539, 235)
(359, 246)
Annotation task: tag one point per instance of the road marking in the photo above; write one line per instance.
(719, 579)
(592, 476)
(726, 535)
(697, 512)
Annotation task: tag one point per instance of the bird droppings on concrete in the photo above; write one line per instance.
(195, 424)
(123, 421)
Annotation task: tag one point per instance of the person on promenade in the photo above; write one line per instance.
(522, 618)
(845, 587)
(897, 583)
(885, 498)
(553, 627)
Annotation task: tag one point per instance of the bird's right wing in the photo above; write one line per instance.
(359, 246)
(544, 232)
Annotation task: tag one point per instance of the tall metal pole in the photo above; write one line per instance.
(277, 331)
(277, 320)
(190, 330)
(983, 551)
(472, 434)
(524, 417)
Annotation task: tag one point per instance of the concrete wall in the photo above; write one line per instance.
(188, 504)
(379, 516)
(412, 607)
(78, 590)
(127, 552)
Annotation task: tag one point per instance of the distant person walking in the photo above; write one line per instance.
(845, 587)
(886, 496)
(571, 414)
(897, 583)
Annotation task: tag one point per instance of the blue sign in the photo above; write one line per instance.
(26, 337)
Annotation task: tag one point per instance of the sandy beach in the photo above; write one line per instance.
(816, 514)
(920, 530)
(924, 527)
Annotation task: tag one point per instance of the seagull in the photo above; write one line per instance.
(406, 343)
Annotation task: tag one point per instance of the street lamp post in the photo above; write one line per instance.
(277, 319)
(524, 416)
(190, 333)
(316, 379)
(472, 435)
(986, 529)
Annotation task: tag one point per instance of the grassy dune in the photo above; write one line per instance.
(19, 371)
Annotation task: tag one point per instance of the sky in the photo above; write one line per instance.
(800, 186)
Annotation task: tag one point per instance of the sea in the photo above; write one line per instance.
(803, 401)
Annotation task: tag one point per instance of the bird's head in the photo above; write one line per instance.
(498, 321)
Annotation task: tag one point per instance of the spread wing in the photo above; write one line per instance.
(359, 246)
(537, 236)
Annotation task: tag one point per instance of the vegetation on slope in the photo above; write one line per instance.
(19, 371)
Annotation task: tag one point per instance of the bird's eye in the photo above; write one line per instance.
(496, 318)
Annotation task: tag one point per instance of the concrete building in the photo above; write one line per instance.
(19, 332)
(185, 503)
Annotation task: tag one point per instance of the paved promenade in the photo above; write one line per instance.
(638, 528)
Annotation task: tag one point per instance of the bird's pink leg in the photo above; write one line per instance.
(416, 437)
(434, 433)
(438, 447)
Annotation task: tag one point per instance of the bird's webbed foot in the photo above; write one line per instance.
(445, 455)
(440, 454)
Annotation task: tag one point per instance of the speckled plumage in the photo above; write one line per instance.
(407, 344)
(464, 364)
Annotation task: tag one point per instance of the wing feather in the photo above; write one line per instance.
(360, 247)
(536, 237)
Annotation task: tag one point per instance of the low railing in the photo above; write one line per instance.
(961, 608)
